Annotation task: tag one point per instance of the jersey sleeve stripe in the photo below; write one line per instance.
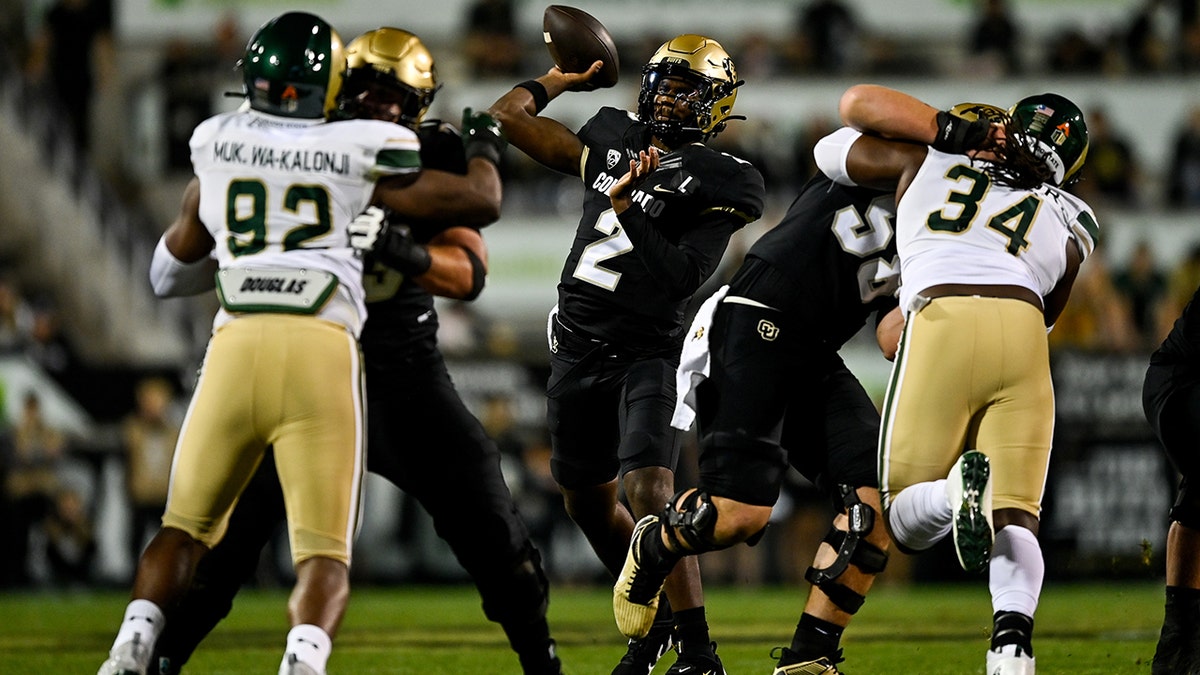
(732, 211)
(1087, 231)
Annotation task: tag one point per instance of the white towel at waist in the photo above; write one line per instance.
(694, 362)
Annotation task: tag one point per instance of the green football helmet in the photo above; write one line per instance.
(1056, 131)
(294, 66)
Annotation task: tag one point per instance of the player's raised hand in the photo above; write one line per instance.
(577, 81)
(621, 193)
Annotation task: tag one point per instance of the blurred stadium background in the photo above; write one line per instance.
(79, 215)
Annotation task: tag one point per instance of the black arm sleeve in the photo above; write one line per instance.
(682, 268)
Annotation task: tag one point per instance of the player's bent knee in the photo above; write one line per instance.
(1186, 510)
(520, 593)
(853, 548)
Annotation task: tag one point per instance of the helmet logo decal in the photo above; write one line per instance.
(612, 158)
(1040, 116)
(1061, 133)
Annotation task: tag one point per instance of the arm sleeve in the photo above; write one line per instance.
(830, 154)
(682, 268)
(170, 277)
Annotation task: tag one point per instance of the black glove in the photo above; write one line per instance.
(482, 136)
(397, 249)
(956, 135)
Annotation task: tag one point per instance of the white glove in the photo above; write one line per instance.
(366, 229)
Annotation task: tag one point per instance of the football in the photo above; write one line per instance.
(576, 40)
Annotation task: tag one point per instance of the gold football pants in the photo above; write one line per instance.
(292, 382)
(972, 373)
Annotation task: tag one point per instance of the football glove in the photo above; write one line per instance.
(482, 136)
(957, 136)
(398, 250)
(366, 229)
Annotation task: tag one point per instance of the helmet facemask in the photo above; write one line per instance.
(369, 94)
(690, 72)
(391, 77)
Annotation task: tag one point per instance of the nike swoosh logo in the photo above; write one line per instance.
(659, 188)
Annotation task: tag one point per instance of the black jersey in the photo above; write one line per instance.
(1182, 346)
(836, 247)
(400, 313)
(631, 287)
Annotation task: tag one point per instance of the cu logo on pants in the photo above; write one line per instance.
(768, 330)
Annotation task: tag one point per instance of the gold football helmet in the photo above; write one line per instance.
(973, 111)
(706, 68)
(391, 76)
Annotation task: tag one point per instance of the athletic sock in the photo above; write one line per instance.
(1012, 628)
(691, 630)
(1178, 648)
(815, 637)
(919, 516)
(311, 645)
(1016, 571)
(143, 621)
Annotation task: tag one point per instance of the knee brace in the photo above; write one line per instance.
(691, 518)
(852, 548)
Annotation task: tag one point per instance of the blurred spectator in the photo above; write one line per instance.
(492, 46)
(149, 434)
(31, 483)
(1111, 173)
(1097, 318)
(994, 40)
(811, 130)
(1189, 46)
(1071, 52)
(1183, 177)
(70, 540)
(1147, 40)
(73, 48)
(827, 38)
(193, 76)
(1144, 287)
(1182, 282)
(16, 317)
(47, 346)
(757, 56)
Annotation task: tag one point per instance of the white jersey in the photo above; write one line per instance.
(279, 193)
(955, 225)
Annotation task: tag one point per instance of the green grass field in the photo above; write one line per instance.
(923, 629)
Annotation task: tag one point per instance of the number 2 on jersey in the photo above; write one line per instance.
(246, 216)
(606, 248)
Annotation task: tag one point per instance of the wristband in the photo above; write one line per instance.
(541, 98)
(956, 135)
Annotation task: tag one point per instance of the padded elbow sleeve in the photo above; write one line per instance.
(171, 277)
(830, 154)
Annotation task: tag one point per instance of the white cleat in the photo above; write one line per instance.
(969, 491)
(1009, 660)
(127, 658)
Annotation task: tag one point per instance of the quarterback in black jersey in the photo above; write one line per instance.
(761, 376)
(616, 332)
(421, 436)
(1171, 398)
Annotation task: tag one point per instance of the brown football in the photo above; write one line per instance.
(576, 40)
